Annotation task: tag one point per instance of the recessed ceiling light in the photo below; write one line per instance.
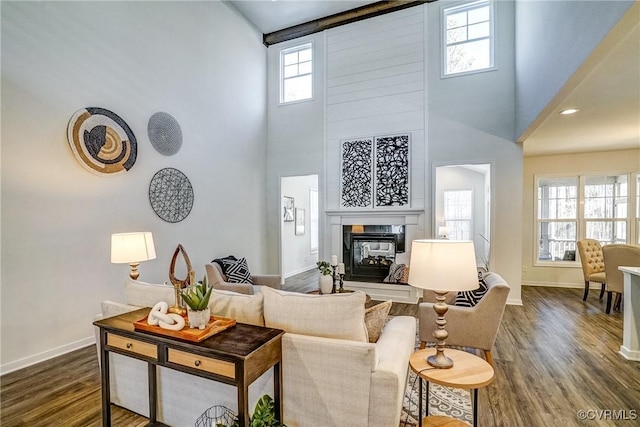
(569, 111)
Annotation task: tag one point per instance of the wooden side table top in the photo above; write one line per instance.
(344, 291)
(442, 421)
(469, 371)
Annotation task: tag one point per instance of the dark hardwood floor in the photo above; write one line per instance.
(554, 356)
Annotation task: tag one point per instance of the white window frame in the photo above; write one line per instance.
(468, 220)
(632, 218)
(443, 34)
(282, 79)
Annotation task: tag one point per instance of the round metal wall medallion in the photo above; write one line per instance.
(171, 195)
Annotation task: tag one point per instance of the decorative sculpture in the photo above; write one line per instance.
(178, 284)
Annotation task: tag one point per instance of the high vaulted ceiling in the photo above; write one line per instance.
(606, 88)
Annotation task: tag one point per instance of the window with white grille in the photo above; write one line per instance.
(296, 74)
(468, 38)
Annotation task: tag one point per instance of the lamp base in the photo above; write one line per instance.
(134, 274)
(440, 361)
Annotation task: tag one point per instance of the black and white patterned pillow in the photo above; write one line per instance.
(237, 271)
(471, 298)
(395, 273)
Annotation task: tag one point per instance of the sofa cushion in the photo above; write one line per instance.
(144, 294)
(338, 316)
(374, 318)
(244, 308)
(471, 298)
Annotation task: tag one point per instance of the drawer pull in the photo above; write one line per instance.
(129, 345)
(197, 363)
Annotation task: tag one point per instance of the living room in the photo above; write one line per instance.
(206, 65)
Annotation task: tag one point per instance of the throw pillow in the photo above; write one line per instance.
(220, 261)
(405, 275)
(243, 308)
(339, 316)
(374, 318)
(395, 273)
(237, 271)
(471, 298)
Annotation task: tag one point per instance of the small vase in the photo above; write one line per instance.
(198, 318)
(326, 284)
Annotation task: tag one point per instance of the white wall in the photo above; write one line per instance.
(555, 38)
(606, 162)
(295, 138)
(471, 119)
(296, 249)
(375, 87)
(134, 58)
(456, 120)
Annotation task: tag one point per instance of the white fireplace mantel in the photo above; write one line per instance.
(410, 218)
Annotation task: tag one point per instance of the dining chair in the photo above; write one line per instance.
(617, 255)
(592, 261)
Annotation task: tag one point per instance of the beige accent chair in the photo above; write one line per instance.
(592, 261)
(615, 256)
(474, 327)
(218, 280)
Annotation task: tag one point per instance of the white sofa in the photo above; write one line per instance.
(332, 375)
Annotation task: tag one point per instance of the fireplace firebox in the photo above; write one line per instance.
(369, 251)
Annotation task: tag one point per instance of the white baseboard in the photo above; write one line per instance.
(46, 355)
(298, 271)
(560, 285)
(629, 354)
(514, 301)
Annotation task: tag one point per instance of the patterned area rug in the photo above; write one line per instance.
(452, 402)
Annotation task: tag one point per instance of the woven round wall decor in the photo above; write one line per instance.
(171, 195)
(101, 141)
(165, 133)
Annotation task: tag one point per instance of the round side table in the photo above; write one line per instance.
(468, 372)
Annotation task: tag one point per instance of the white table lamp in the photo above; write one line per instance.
(442, 266)
(132, 248)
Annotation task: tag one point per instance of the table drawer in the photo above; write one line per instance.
(207, 364)
(133, 346)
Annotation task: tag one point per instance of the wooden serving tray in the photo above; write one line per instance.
(216, 324)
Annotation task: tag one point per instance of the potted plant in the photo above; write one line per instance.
(264, 415)
(326, 277)
(196, 296)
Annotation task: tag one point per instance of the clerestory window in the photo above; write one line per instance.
(296, 74)
(468, 38)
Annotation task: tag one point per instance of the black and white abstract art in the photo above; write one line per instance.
(392, 170)
(356, 173)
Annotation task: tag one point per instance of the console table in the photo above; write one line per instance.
(469, 372)
(236, 356)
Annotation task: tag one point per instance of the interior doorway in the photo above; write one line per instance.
(463, 206)
(299, 224)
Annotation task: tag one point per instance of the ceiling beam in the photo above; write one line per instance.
(342, 18)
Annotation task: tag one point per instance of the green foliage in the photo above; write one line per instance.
(197, 297)
(264, 415)
(324, 268)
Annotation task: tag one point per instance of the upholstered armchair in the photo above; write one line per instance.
(218, 280)
(474, 327)
(614, 257)
(592, 261)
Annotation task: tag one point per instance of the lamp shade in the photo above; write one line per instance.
(443, 265)
(132, 247)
